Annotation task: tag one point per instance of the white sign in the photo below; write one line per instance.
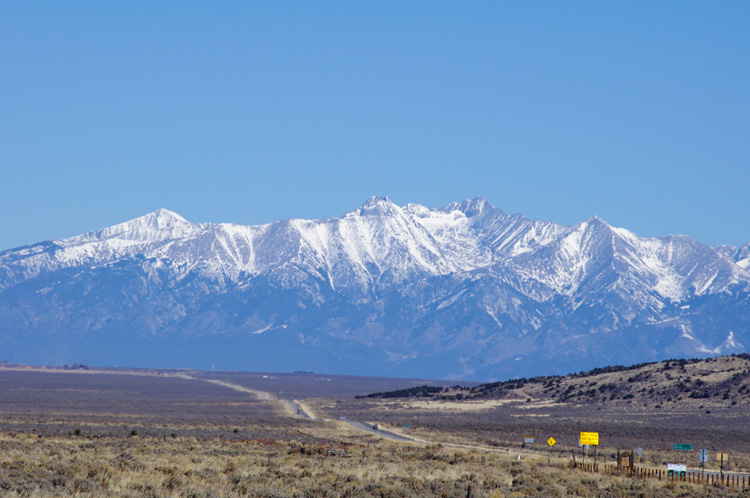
(676, 467)
(640, 451)
(703, 455)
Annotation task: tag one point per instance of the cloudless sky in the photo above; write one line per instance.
(251, 112)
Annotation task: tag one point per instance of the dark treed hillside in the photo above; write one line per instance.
(715, 381)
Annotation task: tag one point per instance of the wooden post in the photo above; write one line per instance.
(468, 493)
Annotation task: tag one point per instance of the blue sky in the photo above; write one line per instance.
(250, 112)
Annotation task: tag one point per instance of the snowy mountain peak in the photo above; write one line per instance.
(740, 256)
(727, 251)
(463, 290)
(160, 219)
(159, 225)
(595, 221)
(470, 207)
(163, 217)
(743, 256)
(378, 205)
(376, 200)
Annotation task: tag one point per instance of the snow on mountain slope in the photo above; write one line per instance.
(578, 257)
(742, 258)
(464, 287)
(382, 243)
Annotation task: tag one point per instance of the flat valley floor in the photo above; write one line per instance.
(146, 433)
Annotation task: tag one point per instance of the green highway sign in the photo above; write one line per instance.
(682, 447)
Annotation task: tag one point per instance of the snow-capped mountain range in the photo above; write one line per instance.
(465, 291)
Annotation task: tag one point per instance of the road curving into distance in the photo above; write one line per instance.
(299, 411)
(381, 432)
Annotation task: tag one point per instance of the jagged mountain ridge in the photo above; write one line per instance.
(463, 291)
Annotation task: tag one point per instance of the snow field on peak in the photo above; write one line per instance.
(537, 258)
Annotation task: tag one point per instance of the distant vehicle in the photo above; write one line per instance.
(374, 427)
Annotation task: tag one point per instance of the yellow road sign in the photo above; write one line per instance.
(551, 441)
(591, 438)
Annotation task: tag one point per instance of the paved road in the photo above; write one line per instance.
(382, 433)
(297, 409)
(261, 395)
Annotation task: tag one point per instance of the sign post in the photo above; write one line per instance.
(703, 458)
(683, 447)
(588, 439)
(551, 442)
(723, 457)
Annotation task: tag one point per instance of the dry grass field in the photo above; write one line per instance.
(186, 467)
(149, 434)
